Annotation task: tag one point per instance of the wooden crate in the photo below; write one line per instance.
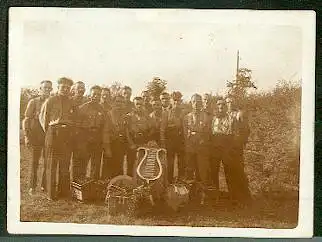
(84, 191)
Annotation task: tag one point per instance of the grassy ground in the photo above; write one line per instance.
(270, 212)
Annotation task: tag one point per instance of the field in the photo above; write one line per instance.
(271, 164)
(267, 213)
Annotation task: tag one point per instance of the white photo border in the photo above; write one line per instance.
(306, 20)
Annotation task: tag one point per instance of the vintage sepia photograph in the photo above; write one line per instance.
(161, 122)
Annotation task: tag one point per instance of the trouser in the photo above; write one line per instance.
(156, 136)
(239, 147)
(229, 152)
(113, 166)
(35, 157)
(91, 151)
(198, 165)
(57, 155)
(131, 159)
(217, 148)
(77, 145)
(139, 140)
(175, 149)
(106, 166)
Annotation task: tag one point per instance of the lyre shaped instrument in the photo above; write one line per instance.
(150, 166)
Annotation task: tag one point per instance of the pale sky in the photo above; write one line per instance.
(191, 56)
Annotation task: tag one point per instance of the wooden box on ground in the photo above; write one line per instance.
(84, 190)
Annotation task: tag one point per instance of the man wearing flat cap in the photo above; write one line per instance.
(57, 118)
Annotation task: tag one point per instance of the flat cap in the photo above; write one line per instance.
(65, 80)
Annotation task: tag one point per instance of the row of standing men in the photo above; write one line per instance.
(74, 131)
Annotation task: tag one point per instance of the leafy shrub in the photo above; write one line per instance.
(272, 153)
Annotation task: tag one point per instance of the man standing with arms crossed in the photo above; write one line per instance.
(34, 135)
(57, 118)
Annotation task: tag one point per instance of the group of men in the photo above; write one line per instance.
(75, 131)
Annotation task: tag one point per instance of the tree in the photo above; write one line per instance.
(156, 87)
(238, 88)
(115, 88)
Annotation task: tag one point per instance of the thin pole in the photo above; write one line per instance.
(237, 65)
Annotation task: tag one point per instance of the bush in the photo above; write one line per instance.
(273, 151)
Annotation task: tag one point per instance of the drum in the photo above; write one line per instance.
(120, 198)
(177, 195)
(149, 171)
